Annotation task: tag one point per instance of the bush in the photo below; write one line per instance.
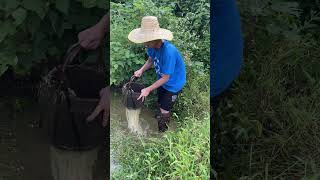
(126, 57)
(33, 31)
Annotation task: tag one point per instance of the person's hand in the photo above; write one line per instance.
(103, 105)
(92, 37)
(144, 93)
(138, 73)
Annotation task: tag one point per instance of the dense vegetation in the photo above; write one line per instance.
(40, 31)
(269, 124)
(183, 153)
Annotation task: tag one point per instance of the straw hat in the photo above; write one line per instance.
(150, 30)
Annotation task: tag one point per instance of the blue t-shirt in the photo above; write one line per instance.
(226, 45)
(167, 60)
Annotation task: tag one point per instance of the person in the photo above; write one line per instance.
(168, 63)
(227, 47)
(79, 165)
(90, 39)
(226, 59)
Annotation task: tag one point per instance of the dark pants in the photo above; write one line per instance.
(166, 99)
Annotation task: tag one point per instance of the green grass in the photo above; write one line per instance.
(270, 124)
(181, 154)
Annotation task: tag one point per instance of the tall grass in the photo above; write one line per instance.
(177, 155)
(184, 153)
(270, 123)
(180, 154)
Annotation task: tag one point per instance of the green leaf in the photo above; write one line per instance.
(287, 7)
(102, 4)
(63, 6)
(66, 25)
(3, 69)
(53, 16)
(36, 6)
(7, 28)
(53, 51)
(40, 46)
(5, 60)
(92, 57)
(24, 48)
(25, 63)
(11, 4)
(33, 23)
(19, 15)
(88, 3)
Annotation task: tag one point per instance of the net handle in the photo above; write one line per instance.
(74, 50)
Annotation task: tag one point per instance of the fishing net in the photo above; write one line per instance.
(68, 94)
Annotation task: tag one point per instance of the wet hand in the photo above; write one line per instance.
(103, 105)
(144, 93)
(138, 73)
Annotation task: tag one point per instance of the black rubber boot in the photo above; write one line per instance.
(163, 122)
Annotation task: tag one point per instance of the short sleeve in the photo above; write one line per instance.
(150, 53)
(169, 62)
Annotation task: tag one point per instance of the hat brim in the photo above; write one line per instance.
(139, 36)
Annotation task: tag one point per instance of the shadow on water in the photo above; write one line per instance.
(119, 126)
(26, 153)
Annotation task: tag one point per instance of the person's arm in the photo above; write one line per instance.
(144, 68)
(166, 70)
(147, 65)
(158, 83)
(92, 37)
(146, 91)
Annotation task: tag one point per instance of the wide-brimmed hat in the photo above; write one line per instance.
(149, 31)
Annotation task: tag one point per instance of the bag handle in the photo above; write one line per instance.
(71, 54)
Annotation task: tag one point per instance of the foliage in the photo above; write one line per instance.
(38, 30)
(177, 155)
(191, 36)
(126, 57)
(269, 124)
(182, 154)
(195, 94)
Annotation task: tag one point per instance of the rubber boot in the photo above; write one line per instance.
(163, 122)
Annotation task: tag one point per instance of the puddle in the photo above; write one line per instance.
(119, 126)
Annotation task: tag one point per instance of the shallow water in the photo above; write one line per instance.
(25, 152)
(119, 126)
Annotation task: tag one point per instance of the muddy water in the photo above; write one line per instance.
(119, 126)
(26, 153)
